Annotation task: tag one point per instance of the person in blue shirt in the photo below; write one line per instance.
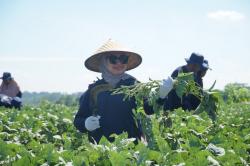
(102, 113)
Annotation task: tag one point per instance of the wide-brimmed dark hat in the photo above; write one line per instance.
(6, 76)
(93, 63)
(195, 58)
(205, 65)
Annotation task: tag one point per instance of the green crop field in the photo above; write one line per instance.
(45, 135)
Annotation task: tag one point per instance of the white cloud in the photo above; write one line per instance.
(226, 15)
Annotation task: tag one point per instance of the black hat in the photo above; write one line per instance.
(205, 65)
(195, 59)
(6, 76)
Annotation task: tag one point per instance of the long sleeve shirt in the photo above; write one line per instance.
(116, 113)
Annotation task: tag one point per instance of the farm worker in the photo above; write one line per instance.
(189, 102)
(102, 113)
(202, 72)
(10, 94)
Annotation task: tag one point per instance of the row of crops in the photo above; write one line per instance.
(45, 135)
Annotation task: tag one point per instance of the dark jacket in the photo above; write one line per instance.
(189, 102)
(116, 114)
(199, 79)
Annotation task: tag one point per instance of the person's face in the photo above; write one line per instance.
(194, 67)
(117, 64)
(7, 81)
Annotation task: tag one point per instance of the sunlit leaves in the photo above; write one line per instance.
(46, 136)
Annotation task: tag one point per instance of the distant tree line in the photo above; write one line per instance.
(35, 98)
(236, 93)
(233, 92)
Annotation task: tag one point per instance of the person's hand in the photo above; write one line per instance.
(92, 123)
(165, 87)
(5, 99)
(18, 99)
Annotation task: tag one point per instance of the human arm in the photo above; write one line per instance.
(83, 112)
(19, 94)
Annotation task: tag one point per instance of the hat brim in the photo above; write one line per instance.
(8, 78)
(93, 63)
(205, 67)
(187, 60)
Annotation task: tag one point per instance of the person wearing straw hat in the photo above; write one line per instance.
(189, 102)
(102, 113)
(10, 94)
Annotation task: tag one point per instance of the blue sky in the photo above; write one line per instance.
(45, 43)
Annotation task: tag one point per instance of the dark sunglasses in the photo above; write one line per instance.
(123, 59)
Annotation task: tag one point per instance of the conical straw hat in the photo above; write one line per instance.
(93, 63)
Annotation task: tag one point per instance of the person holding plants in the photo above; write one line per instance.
(10, 94)
(188, 102)
(102, 113)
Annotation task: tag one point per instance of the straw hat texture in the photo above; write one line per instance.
(93, 62)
